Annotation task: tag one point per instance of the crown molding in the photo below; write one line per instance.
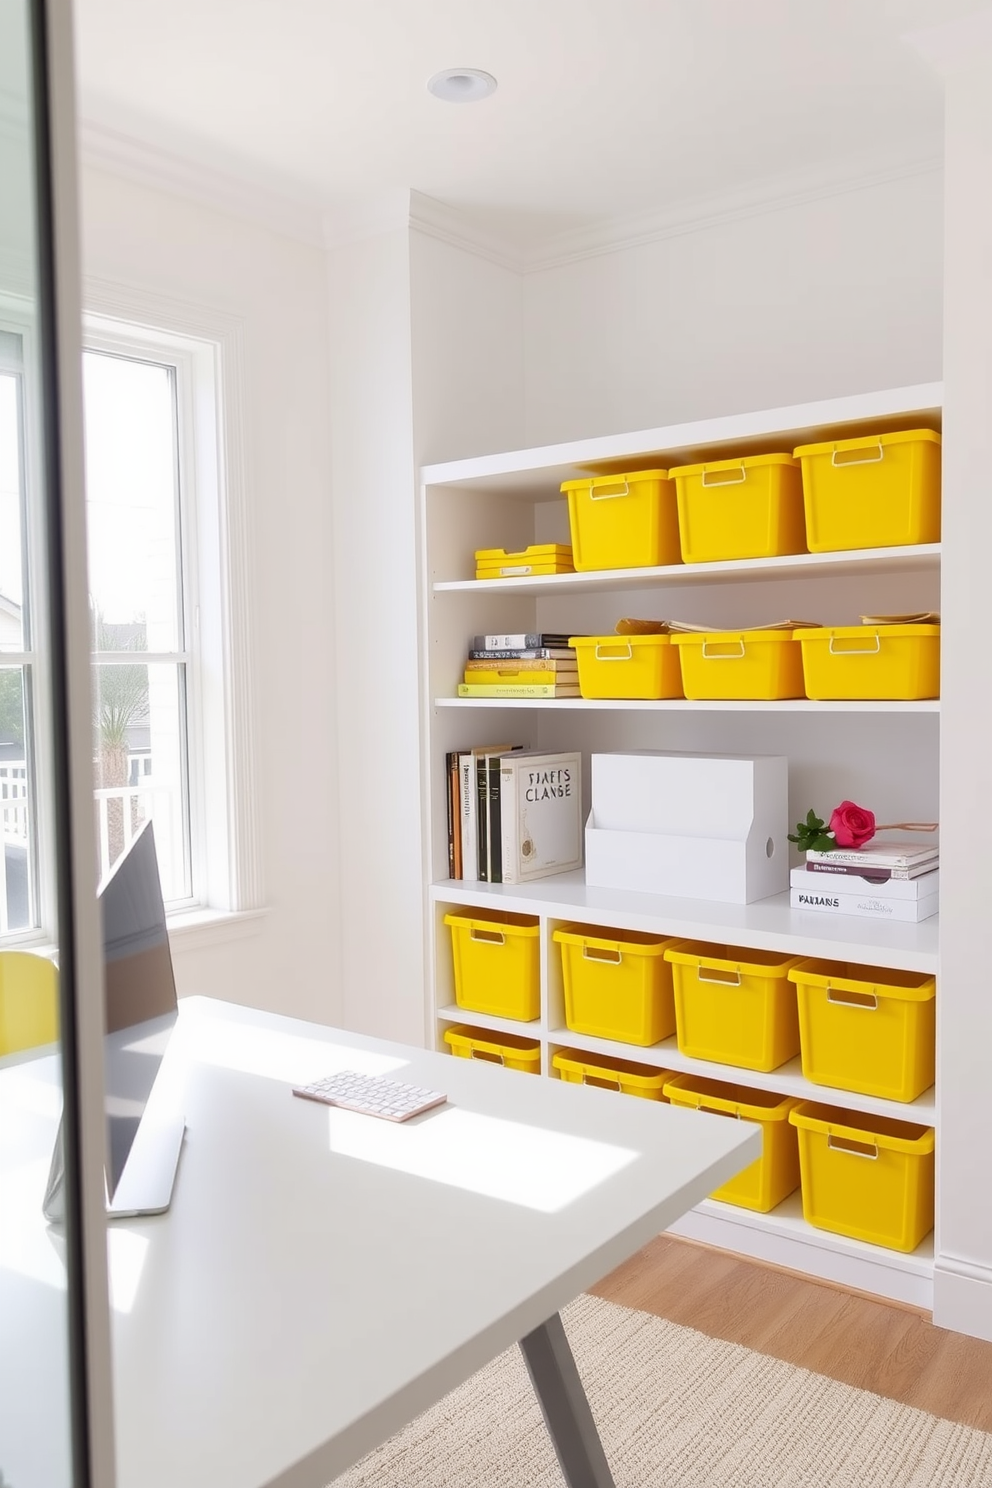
(402, 209)
(448, 225)
(179, 174)
(775, 194)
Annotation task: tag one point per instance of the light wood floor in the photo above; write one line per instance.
(885, 1347)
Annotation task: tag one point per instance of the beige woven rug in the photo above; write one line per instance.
(677, 1409)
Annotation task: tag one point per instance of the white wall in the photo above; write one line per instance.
(837, 295)
(426, 365)
(151, 240)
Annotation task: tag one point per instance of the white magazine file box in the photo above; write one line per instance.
(694, 826)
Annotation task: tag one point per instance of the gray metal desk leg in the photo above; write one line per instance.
(566, 1410)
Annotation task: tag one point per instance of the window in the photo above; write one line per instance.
(140, 601)
(168, 560)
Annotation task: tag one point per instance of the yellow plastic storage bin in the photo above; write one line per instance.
(866, 1030)
(579, 1068)
(745, 664)
(751, 507)
(870, 1177)
(633, 666)
(877, 491)
(623, 521)
(891, 662)
(539, 558)
(734, 1006)
(497, 963)
(618, 985)
(507, 1049)
(775, 1174)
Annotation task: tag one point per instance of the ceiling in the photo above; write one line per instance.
(604, 108)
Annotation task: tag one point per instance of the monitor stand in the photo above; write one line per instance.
(145, 1185)
(147, 1181)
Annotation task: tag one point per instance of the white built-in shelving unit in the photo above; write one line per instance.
(884, 754)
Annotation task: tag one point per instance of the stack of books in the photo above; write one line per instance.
(882, 881)
(525, 664)
(513, 814)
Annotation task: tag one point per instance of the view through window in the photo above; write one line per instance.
(137, 621)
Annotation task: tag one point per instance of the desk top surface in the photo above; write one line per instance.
(322, 1276)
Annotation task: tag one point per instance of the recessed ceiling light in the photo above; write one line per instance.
(462, 84)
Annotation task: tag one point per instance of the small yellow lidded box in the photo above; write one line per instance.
(876, 491)
(539, 558)
(750, 507)
(623, 521)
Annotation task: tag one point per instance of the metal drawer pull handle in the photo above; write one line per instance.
(729, 979)
(723, 478)
(851, 457)
(843, 650)
(714, 655)
(852, 1148)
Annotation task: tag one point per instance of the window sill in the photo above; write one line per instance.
(193, 929)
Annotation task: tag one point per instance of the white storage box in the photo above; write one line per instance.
(691, 825)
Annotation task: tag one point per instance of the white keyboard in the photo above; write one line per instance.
(373, 1095)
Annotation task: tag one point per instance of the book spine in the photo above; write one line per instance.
(508, 825)
(449, 812)
(523, 641)
(863, 906)
(516, 690)
(482, 815)
(454, 796)
(870, 860)
(480, 670)
(494, 838)
(470, 840)
(839, 869)
(531, 653)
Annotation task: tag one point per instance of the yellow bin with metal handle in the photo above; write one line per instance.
(870, 1177)
(578, 1067)
(775, 1174)
(507, 1049)
(734, 1006)
(876, 491)
(865, 1029)
(623, 521)
(749, 507)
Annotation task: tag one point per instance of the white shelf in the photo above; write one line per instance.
(784, 1238)
(767, 924)
(788, 1079)
(452, 1013)
(684, 705)
(741, 570)
(535, 473)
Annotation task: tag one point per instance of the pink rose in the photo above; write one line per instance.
(852, 825)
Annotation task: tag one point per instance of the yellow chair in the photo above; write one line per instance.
(29, 1001)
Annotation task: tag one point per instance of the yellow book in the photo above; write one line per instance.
(516, 690)
(511, 676)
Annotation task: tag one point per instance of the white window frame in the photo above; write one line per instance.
(206, 351)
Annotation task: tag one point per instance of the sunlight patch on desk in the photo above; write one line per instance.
(27, 1245)
(283, 1056)
(526, 1165)
(23, 1092)
(126, 1252)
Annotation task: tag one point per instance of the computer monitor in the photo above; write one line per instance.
(143, 1136)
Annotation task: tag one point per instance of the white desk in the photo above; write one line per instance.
(322, 1277)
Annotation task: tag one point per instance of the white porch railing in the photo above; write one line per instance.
(14, 800)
